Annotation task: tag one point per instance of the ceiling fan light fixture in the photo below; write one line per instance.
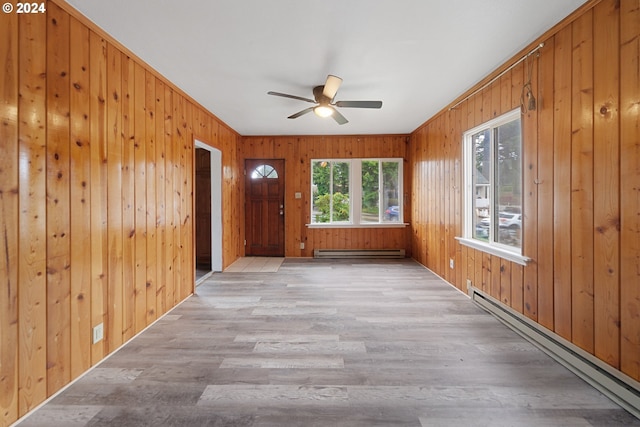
(323, 111)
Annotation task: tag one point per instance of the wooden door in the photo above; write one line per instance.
(264, 202)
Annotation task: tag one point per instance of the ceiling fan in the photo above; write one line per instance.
(325, 106)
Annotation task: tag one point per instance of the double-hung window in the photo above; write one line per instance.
(493, 187)
(356, 191)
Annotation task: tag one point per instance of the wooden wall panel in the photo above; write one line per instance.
(582, 182)
(140, 191)
(87, 171)
(161, 303)
(562, 183)
(606, 181)
(8, 218)
(32, 240)
(530, 182)
(544, 185)
(630, 187)
(169, 179)
(115, 273)
(177, 187)
(58, 202)
(80, 138)
(150, 174)
(581, 178)
(298, 152)
(128, 198)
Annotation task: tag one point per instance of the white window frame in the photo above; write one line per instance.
(494, 248)
(355, 195)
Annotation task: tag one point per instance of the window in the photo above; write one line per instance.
(356, 191)
(264, 171)
(493, 190)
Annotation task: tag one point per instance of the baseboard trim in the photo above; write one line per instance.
(620, 388)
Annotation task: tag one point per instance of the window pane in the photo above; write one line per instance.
(391, 191)
(330, 191)
(370, 191)
(340, 207)
(264, 171)
(508, 193)
(481, 200)
(320, 186)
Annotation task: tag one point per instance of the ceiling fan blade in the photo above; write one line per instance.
(359, 104)
(331, 86)
(301, 113)
(285, 95)
(339, 118)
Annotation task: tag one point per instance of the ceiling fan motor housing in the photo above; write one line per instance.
(319, 96)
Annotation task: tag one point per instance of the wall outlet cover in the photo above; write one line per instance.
(98, 333)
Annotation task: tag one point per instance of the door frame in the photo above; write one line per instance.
(215, 158)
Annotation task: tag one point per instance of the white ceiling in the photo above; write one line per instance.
(415, 55)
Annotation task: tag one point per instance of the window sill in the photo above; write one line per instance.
(502, 253)
(372, 225)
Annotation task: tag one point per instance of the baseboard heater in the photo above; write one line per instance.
(358, 253)
(619, 387)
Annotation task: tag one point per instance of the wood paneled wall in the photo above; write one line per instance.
(581, 186)
(96, 200)
(298, 152)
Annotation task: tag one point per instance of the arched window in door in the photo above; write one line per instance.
(264, 171)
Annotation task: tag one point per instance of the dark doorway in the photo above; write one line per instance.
(203, 212)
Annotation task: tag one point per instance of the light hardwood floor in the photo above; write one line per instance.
(330, 343)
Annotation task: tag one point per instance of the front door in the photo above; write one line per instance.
(264, 201)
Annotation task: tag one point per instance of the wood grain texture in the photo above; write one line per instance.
(80, 139)
(606, 182)
(544, 186)
(630, 187)
(298, 152)
(150, 173)
(140, 183)
(80, 128)
(580, 170)
(530, 179)
(99, 179)
(58, 204)
(160, 303)
(8, 218)
(65, 78)
(582, 182)
(562, 301)
(169, 172)
(128, 198)
(113, 328)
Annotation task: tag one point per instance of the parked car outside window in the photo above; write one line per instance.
(392, 213)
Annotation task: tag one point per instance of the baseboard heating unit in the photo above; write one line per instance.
(358, 253)
(619, 387)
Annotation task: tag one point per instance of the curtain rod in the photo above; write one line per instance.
(540, 46)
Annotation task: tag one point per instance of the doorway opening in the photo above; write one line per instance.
(208, 211)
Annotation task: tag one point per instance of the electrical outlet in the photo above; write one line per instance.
(98, 333)
(451, 263)
(301, 245)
